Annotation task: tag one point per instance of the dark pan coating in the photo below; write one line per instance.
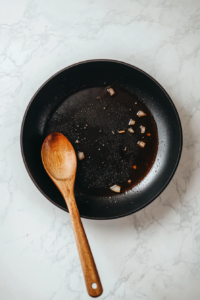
(103, 73)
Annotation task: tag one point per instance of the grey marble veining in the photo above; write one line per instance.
(153, 254)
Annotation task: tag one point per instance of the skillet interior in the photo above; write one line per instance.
(100, 73)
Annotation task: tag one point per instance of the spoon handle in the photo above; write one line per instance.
(90, 272)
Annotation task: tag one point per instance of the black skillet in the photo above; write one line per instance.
(100, 73)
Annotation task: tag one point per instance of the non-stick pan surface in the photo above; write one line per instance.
(93, 74)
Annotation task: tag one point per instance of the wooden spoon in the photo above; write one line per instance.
(60, 163)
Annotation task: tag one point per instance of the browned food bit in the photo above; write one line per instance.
(140, 113)
(131, 122)
(134, 167)
(131, 130)
(149, 134)
(115, 188)
(77, 142)
(142, 129)
(111, 91)
(81, 155)
(121, 131)
(141, 144)
(129, 181)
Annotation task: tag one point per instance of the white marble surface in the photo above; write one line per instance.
(153, 254)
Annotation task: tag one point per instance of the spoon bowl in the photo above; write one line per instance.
(59, 157)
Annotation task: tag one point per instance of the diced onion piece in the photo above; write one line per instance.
(141, 113)
(131, 122)
(81, 155)
(131, 130)
(142, 129)
(113, 132)
(115, 188)
(134, 167)
(111, 91)
(141, 144)
(121, 131)
(77, 142)
(129, 181)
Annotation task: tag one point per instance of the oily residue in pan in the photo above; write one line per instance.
(92, 119)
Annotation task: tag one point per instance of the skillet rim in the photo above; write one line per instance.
(178, 123)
